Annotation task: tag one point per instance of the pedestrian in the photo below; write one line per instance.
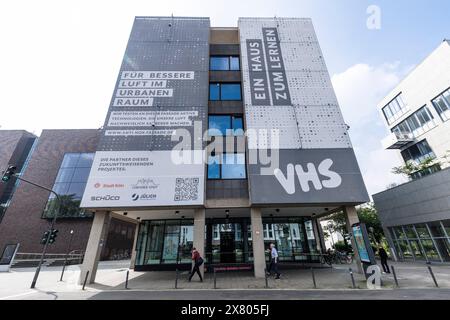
(198, 261)
(273, 261)
(383, 256)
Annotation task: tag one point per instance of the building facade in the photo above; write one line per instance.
(223, 139)
(60, 160)
(416, 215)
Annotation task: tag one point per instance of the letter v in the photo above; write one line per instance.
(288, 182)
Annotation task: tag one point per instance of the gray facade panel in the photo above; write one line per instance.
(427, 199)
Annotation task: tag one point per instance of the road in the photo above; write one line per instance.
(385, 294)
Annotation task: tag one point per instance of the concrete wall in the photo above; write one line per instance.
(426, 199)
(22, 221)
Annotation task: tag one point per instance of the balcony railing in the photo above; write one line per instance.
(397, 140)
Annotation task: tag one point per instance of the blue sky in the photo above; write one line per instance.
(61, 56)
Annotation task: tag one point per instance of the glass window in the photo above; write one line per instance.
(219, 125)
(69, 184)
(442, 105)
(238, 126)
(230, 91)
(227, 166)
(224, 63)
(219, 63)
(394, 109)
(418, 152)
(214, 92)
(233, 166)
(422, 231)
(234, 63)
(214, 167)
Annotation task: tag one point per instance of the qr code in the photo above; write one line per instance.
(186, 189)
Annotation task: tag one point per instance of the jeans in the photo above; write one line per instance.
(194, 270)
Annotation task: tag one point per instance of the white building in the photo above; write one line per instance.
(416, 215)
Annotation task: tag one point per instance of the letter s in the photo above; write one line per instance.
(334, 180)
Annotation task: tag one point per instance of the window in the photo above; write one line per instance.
(394, 109)
(224, 125)
(224, 63)
(224, 91)
(227, 166)
(69, 185)
(416, 124)
(442, 105)
(418, 152)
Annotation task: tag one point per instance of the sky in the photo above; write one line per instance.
(59, 59)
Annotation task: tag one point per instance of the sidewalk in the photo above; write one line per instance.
(111, 277)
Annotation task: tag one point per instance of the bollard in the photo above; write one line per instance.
(432, 276)
(395, 276)
(126, 279)
(265, 276)
(313, 278)
(85, 279)
(215, 287)
(353, 278)
(176, 278)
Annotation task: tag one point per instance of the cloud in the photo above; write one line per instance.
(359, 89)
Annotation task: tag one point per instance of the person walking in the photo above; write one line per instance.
(383, 256)
(198, 261)
(273, 261)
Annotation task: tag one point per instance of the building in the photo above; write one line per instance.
(276, 155)
(15, 147)
(60, 160)
(416, 215)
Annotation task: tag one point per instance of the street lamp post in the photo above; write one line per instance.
(67, 253)
(38, 269)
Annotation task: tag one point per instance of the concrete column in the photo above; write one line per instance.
(97, 239)
(259, 260)
(318, 233)
(199, 234)
(133, 248)
(351, 217)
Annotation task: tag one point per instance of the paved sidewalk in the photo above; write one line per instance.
(111, 278)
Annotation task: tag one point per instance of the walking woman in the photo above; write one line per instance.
(198, 261)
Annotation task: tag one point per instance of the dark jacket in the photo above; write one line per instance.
(382, 253)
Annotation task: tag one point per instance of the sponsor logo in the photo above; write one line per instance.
(145, 184)
(105, 198)
(109, 185)
(144, 196)
(311, 175)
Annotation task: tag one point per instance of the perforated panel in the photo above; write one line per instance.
(313, 118)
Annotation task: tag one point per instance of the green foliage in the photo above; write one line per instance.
(410, 167)
(342, 246)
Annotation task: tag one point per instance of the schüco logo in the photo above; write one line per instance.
(105, 198)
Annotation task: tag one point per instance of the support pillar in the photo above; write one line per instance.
(199, 234)
(318, 233)
(351, 217)
(390, 242)
(259, 260)
(134, 248)
(97, 239)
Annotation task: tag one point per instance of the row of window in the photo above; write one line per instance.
(395, 109)
(224, 63)
(225, 92)
(428, 241)
(227, 166)
(442, 105)
(418, 152)
(416, 124)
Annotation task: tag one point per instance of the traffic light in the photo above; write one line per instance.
(8, 173)
(45, 237)
(53, 234)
